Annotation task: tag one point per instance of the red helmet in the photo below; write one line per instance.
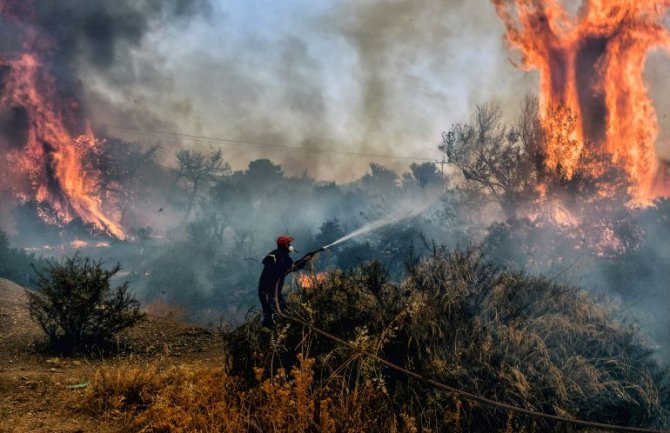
(284, 241)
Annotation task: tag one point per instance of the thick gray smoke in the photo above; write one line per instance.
(75, 36)
(400, 43)
(381, 77)
(101, 38)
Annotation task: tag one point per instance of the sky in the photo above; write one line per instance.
(381, 77)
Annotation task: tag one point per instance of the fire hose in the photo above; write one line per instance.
(436, 384)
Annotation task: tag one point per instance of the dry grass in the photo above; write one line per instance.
(4, 412)
(201, 398)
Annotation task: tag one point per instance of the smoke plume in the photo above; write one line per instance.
(374, 77)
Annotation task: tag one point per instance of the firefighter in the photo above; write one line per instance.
(276, 265)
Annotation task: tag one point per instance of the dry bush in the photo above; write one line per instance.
(517, 339)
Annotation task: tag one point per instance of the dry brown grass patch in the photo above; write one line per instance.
(154, 397)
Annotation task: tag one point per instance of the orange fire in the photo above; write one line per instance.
(52, 160)
(310, 281)
(591, 67)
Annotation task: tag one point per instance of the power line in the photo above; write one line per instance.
(232, 142)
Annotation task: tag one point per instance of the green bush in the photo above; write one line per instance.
(77, 307)
(507, 336)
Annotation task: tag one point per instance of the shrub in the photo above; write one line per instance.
(514, 338)
(77, 307)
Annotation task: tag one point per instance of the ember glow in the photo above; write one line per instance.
(51, 162)
(591, 68)
(310, 281)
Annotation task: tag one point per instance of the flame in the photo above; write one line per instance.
(592, 91)
(310, 281)
(52, 160)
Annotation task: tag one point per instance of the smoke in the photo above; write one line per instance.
(655, 75)
(382, 77)
(78, 37)
(400, 43)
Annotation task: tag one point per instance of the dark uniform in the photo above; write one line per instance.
(276, 264)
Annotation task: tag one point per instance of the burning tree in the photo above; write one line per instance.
(511, 162)
(47, 143)
(592, 64)
(552, 212)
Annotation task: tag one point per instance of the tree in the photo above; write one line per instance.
(264, 171)
(330, 231)
(197, 169)
(77, 307)
(425, 174)
(493, 157)
(380, 177)
(515, 165)
(120, 163)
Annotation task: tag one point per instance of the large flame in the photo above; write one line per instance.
(52, 160)
(591, 66)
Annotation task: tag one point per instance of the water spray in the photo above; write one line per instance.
(393, 218)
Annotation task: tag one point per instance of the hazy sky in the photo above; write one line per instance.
(370, 76)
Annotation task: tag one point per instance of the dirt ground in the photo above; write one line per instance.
(35, 389)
